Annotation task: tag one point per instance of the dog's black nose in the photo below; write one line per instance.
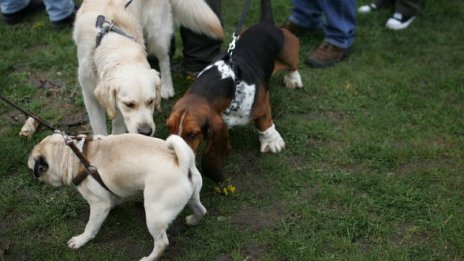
(145, 130)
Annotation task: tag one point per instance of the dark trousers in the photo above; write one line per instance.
(404, 7)
(199, 50)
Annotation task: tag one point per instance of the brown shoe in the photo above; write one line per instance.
(298, 30)
(327, 55)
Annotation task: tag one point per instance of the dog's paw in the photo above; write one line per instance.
(77, 241)
(293, 80)
(167, 93)
(29, 127)
(271, 141)
(145, 258)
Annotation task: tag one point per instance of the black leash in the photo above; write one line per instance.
(90, 169)
(240, 23)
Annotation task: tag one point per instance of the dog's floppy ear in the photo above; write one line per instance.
(40, 166)
(106, 96)
(157, 90)
(218, 145)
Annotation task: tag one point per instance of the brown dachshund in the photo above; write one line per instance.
(235, 91)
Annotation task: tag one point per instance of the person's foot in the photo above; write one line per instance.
(364, 9)
(399, 21)
(327, 55)
(298, 30)
(66, 22)
(17, 17)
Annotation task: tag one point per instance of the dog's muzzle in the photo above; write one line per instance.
(40, 166)
(145, 129)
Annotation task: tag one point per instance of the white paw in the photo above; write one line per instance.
(293, 80)
(29, 127)
(145, 258)
(167, 92)
(274, 146)
(77, 241)
(271, 141)
(191, 220)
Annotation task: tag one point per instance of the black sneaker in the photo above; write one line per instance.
(15, 18)
(64, 23)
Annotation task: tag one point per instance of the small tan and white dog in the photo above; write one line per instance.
(113, 70)
(164, 170)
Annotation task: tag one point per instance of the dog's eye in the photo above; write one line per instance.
(150, 102)
(191, 136)
(129, 104)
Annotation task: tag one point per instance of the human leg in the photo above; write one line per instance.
(199, 50)
(339, 31)
(14, 10)
(405, 14)
(306, 14)
(407, 7)
(60, 12)
(13, 6)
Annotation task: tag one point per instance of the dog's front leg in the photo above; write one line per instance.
(98, 213)
(167, 89)
(269, 137)
(94, 110)
(118, 126)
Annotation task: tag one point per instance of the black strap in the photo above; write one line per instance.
(127, 4)
(236, 34)
(241, 21)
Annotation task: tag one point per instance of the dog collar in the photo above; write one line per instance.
(106, 27)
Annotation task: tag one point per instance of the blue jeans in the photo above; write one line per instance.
(56, 9)
(339, 23)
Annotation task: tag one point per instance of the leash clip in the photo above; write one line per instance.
(232, 44)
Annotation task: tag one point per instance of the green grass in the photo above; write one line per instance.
(373, 168)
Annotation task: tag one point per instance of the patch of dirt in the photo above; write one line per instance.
(7, 222)
(224, 257)
(408, 234)
(257, 219)
(252, 251)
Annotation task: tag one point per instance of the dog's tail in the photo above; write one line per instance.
(198, 17)
(185, 155)
(266, 12)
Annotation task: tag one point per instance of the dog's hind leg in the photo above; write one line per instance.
(98, 213)
(158, 218)
(289, 59)
(194, 203)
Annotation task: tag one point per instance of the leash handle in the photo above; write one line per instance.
(40, 120)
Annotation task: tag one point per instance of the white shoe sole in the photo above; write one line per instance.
(394, 24)
(365, 9)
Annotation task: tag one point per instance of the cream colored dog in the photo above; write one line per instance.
(164, 170)
(115, 75)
